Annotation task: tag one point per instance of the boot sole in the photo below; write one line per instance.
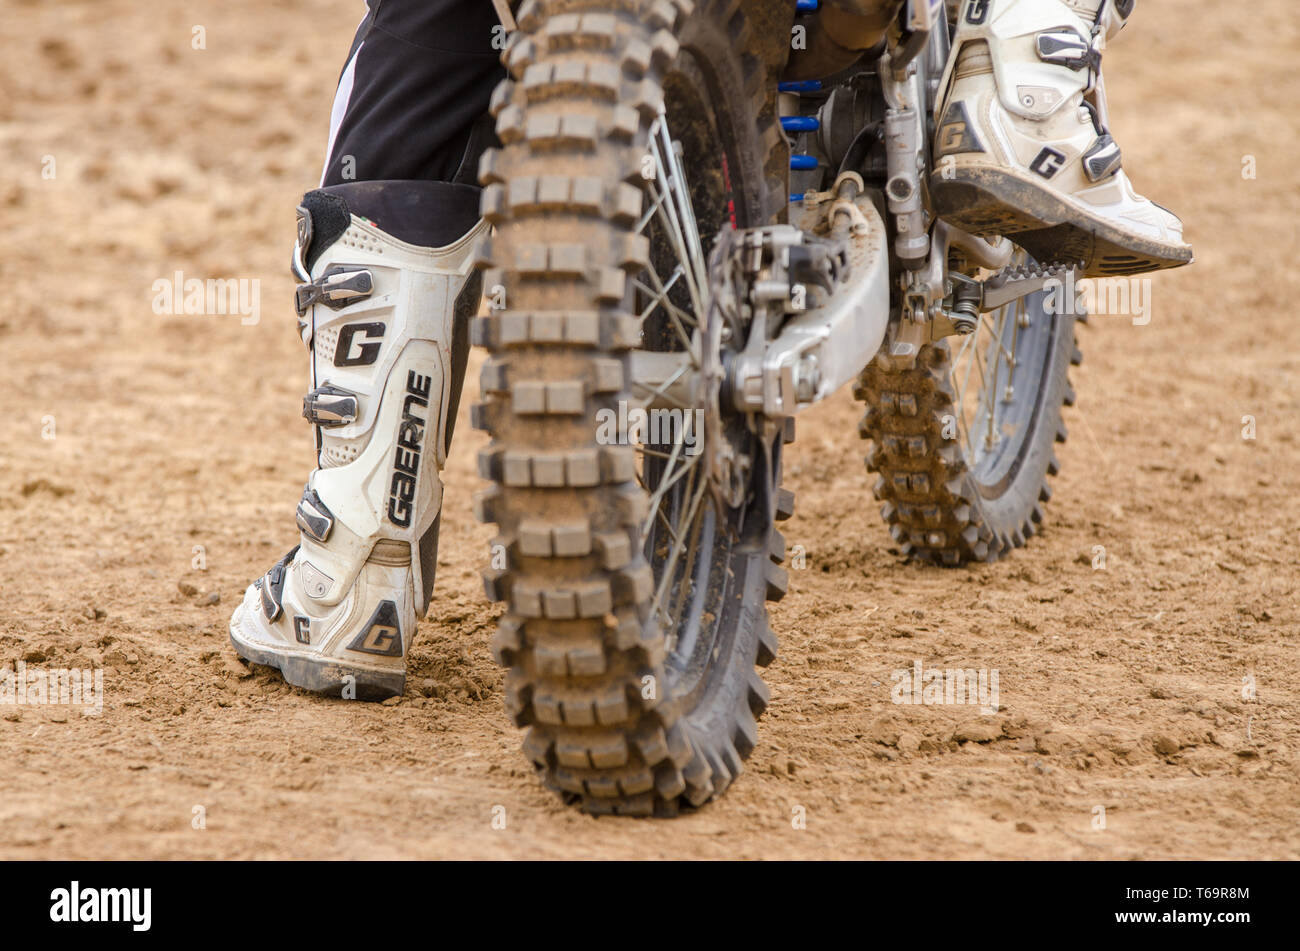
(320, 675)
(993, 201)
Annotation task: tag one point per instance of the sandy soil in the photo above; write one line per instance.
(1120, 688)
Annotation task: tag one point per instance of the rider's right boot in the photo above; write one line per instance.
(1022, 146)
(388, 291)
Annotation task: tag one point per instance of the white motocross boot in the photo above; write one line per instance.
(386, 321)
(1021, 143)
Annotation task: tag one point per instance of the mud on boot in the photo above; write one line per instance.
(387, 294)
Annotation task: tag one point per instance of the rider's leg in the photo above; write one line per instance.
(1022, 145)
(384, 251)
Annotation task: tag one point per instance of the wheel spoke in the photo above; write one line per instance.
(990, 391)
(674, 300)
(668, 526)
(971, 349)
(696, 523)
(657, 453)
(661, 391)
(980, 412)
(676, 213)
(997, 335)
(666, 482)
(674, 313)
(658, 298)
(669, 567)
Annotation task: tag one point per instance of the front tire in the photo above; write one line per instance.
(964, 475)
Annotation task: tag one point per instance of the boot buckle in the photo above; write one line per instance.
(271, 586)
(329, 406)
(336, 288)
(1103, 159)
(1069, 48)
(315, 520)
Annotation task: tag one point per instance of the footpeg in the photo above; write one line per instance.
(959, 315)
(1013, 283)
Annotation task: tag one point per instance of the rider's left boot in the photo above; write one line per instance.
(384, 308)
(1022, 146)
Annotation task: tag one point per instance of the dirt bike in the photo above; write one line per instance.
(686, 236)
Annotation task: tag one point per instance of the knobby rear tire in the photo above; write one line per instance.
(587, 672)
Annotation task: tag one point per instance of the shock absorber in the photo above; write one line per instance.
(796, 126)
(835, 35)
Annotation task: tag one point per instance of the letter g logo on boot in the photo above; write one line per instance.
(360, 354)
(1048, 163)
(383, 635)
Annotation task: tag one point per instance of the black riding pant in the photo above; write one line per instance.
(412, 99)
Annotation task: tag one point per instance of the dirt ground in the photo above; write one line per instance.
(131, 437)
